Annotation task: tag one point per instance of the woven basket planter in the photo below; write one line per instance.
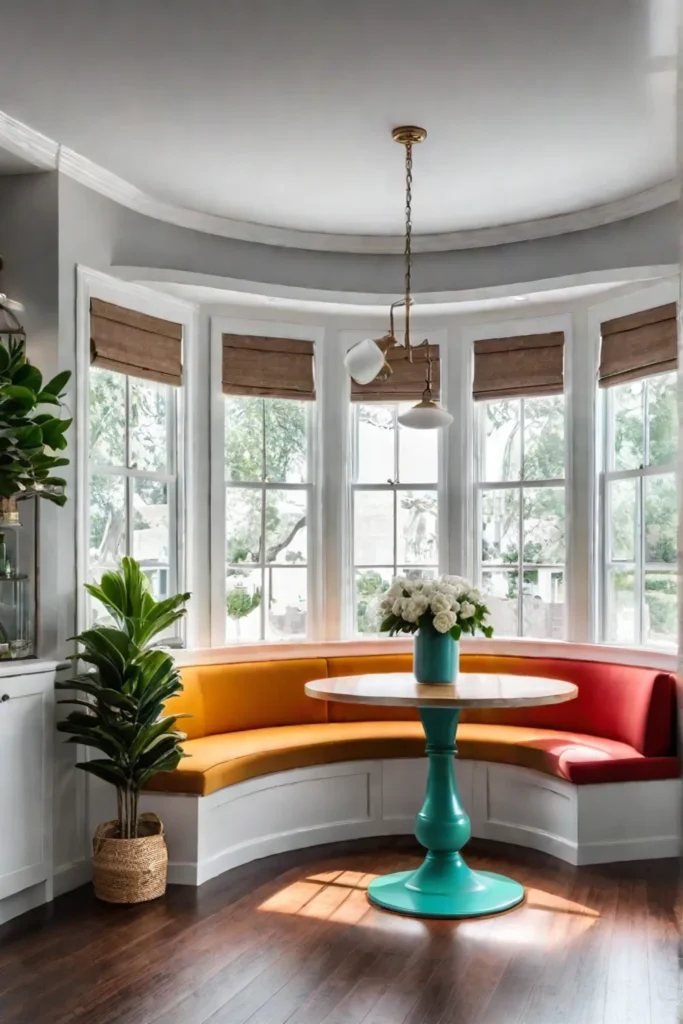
(130, 870)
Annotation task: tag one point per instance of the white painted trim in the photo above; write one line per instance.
(46, 154)
(369, 305)
(516, 647)
(514, 328)
(29, 667)
(269, 329)
(27, 143)
(21, 902)
(333, 389)
(92, 283)
(581, 359)
(72, 876)
(655, 295)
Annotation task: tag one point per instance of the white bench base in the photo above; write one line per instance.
(355, 799)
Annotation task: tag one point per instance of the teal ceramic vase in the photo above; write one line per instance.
(436, 657)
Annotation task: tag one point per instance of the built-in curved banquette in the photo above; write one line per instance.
(593, 779)
(254, 719)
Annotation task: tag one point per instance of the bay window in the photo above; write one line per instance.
(304, 506)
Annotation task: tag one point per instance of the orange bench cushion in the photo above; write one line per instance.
(222, 760)
(251, 695)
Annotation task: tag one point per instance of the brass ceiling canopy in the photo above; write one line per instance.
(409, 135)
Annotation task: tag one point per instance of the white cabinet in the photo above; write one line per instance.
(26, 737)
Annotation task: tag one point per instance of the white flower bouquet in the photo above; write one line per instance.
(450, 605)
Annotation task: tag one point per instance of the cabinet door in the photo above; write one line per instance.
(24, 838)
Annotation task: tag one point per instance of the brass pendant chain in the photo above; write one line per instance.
(408, 253)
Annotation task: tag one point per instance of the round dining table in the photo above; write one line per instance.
(443, 886)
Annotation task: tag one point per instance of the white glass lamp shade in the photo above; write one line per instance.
(364, 361)
(426, 415)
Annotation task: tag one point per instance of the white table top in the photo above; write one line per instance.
(471, 690)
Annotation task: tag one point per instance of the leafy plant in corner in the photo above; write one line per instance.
(29, 437)
(121, 713)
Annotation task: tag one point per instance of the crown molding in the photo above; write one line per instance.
(46, 154)
(27, 143)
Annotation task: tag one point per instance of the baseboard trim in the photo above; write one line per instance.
(21, 902)
(652, 848)
(72, 876)
(534, 839)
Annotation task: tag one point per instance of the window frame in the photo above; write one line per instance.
(265, 486)
(639, 565)
(220, 325)
(517, 486)
(190, 567)
(172, 479)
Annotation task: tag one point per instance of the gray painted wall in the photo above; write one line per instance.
(125, 238)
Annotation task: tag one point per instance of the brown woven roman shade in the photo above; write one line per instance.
(407, 382)
(134, 343)
(268, 367)
(638, 345)
(532, 364)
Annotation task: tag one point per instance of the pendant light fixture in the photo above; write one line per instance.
(370, 359)
(9, 324)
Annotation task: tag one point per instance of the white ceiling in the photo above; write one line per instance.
(279, 113)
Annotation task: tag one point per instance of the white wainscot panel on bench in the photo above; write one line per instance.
(328, 803)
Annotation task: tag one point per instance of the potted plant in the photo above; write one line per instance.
(30, 437)
(436, 613)
(122, 717)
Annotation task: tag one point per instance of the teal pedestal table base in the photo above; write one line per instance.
(444, 886)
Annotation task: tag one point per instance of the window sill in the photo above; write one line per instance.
(513, 647)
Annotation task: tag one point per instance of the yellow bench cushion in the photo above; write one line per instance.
(223, 760)
(218, 761)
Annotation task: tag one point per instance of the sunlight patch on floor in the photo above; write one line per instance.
(341, 896)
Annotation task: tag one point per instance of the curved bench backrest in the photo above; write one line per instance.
(630, 705)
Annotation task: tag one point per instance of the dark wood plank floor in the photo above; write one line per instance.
(292, 940)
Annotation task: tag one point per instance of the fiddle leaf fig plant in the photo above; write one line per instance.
(30, 437)
(121, 713)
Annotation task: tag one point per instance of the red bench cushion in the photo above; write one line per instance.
(635, 706)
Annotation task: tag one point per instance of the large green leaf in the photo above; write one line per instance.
(30, 377)
(106, 770)
(57, 384)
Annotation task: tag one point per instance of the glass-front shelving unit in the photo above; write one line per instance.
(15, 616)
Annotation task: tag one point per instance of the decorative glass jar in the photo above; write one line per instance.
(16, 600)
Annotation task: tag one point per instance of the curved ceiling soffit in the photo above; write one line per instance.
(46, 154)
(628, 277)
